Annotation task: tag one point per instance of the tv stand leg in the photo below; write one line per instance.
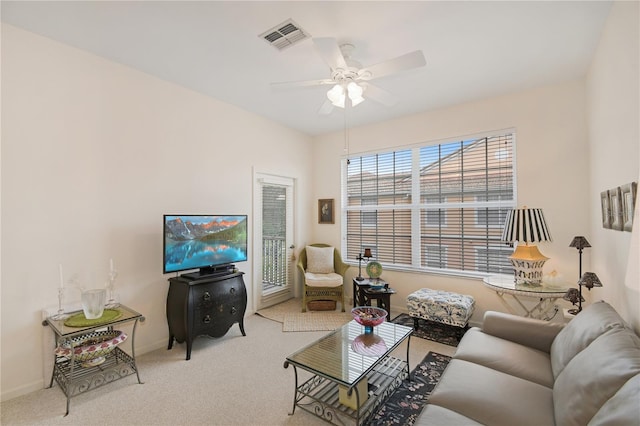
(241, 324)
(170, 343)
(188, 349)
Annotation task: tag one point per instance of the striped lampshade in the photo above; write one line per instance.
(525, 226)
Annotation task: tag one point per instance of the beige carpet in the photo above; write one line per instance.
(288, 313)
(234, 380)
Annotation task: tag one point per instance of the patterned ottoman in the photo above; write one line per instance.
(440, 306)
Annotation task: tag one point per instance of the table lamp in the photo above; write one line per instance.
(526, 226)
(360, 258)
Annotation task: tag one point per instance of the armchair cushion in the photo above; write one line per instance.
(323, 280)
(320, 260)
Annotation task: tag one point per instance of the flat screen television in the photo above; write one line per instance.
(210, 243)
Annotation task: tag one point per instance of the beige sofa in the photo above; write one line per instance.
(521, 371)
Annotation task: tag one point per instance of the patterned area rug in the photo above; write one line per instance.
(407, 402)
(430, 330)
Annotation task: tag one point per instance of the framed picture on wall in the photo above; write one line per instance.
(605, 207)
(628, 198)
(325, 211)
(615, 200)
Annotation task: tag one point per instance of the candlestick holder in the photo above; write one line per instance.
(367, 255)
(60, 315)
(112, 302)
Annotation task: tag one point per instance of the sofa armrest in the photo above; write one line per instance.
(534, 333)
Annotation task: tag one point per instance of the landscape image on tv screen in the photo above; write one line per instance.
(192, 242)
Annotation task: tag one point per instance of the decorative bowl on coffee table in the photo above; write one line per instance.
(369, 316)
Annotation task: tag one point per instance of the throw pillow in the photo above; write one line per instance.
(319, 260)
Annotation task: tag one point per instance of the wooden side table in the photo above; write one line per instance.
(363, 294)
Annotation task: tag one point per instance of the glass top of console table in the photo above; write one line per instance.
(347, 354)
(506, 282)
(127, 314)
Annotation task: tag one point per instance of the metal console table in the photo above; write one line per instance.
(74, 378)
(547, 293)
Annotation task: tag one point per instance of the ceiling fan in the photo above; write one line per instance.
(350, 80)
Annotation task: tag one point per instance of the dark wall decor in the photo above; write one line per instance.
(617, 206)
(325, 211)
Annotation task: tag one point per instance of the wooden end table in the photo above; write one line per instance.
(363, 294)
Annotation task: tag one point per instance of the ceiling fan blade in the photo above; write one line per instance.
(401, 63)
(379, 95)
(305, 83)
(330, 52)
(326, 108)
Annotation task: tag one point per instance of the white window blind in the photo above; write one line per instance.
(432, 207)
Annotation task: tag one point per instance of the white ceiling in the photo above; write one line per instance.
(473, 49)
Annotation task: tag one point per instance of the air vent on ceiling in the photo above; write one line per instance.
(284, 35)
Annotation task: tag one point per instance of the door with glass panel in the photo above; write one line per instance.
(274, 239)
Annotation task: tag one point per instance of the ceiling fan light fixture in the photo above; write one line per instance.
(336, 95)
(355, 93)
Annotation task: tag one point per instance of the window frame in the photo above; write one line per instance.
(504, 162)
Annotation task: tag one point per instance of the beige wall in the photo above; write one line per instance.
(93, 153)
(613, 110)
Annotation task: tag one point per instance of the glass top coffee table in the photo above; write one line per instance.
(353, 373)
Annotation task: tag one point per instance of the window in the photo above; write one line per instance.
(369, 218)
(432, 207)
(435, 256)
(434, 217)
(493, 260)
(491, 216)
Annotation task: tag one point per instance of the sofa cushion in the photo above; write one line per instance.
(535, 333)
(491, 397)
(593, 321)
(319, 260)
(506, 356)
(595, 375)
(623, 408)
(434, 415)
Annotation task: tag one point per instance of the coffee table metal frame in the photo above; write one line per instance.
(319, 395)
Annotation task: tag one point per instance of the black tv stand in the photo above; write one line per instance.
(206, 306)
(210, 272)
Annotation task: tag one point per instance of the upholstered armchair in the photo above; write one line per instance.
(323, 274)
